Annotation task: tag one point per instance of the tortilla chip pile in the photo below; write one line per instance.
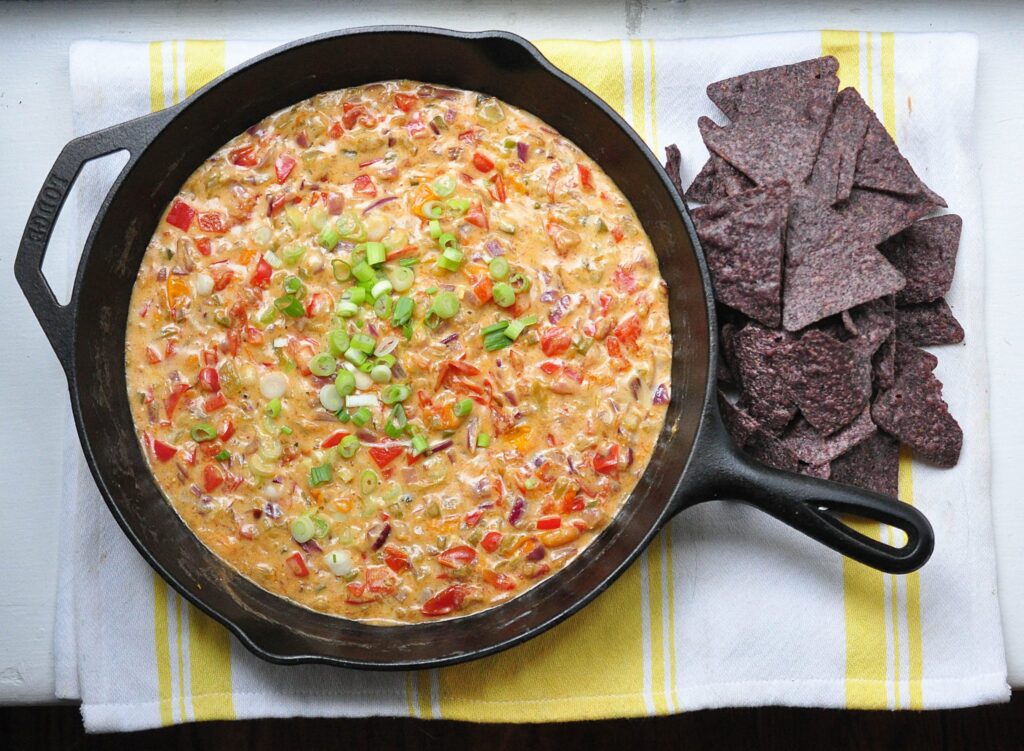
(828, 277)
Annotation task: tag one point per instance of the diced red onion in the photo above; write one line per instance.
(510, 395)
(366, 436)
(382, 537)
(368, 162)
(450, 115)
(302, 139)
(371, 328)
(254, 130)
(471, 433)
(560, 309)
(522, 151)
(549, 295)
(450, 338)
(386, 346)
(629, 457)
(634, 387)
(434, 128)
(379, 202)
(518, 508)
(161, 275)
(494, 248)
(397, 370)
(433, 92)
(196, 491)
(391, 141)
(257, 513)
(570, 465)
(536, 554)
(335, 203)
(440, 446)
(661, 395)
(272, 510)
(311, 546)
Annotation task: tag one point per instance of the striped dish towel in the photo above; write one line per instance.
(727, 607)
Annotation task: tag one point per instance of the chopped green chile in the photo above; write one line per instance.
(375, 371)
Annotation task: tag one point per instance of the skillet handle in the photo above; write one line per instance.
(57, 320)
(808, 504)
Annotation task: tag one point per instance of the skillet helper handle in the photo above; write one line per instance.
(815, 507)
(57, 320)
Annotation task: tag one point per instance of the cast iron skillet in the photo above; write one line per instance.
(694, 460)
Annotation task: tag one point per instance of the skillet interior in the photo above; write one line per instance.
(495, 63)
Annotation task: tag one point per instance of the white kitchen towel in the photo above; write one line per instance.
(728, 607)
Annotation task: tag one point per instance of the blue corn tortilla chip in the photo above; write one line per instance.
(786, 92)
(763, 391)
(742, 237)
(883, 363)
(830, 380)
(873, 464)
(914, 412)
(727, 373)
(716, 179)
(673, 163)
(871, 324)
(925, 253)
(751, 436)
(881, 166)
(811, 447)
(928, 323)
(832, 177)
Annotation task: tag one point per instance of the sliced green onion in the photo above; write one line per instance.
(294, 287)
(319, 475)
(203, 431)
(350, 227)
(376, 253)
(285, 430)
(362, 416)
(519, 282)
(288, 305)
(463, 407)
(346, 308)
(458, 206)
(337, 342)
(223, 455)
(446, 304)
(395, 393)
(519, 325)
(382, 306)
(294, 216)
(357, 295)
(345, 382)
(448, 240)
(495, 341)
(397, 421)
(318, 217)
(364, 342)
(388, 359)
(323, 527)
(344, 416)
(403, 311)
(402, 278)
(292, 254)
(268, 315)
(443, 186)
(355, 356)
(323, 364)
(274, 407)
(483, 440)
(303, 528)
(435, 228)
(433, 209)
(342, 271)
(432, 320)
(349, 446)
(380, 373)
(380, 288)
(329, 237)
(530, 483)
(363, 272)
(408, 261)
(368, 481)
(330, 399)
(271, 258)
(498, 268)
(499, 326)
(503, 294)
(366, 366)
(419, 445)
(395, 239)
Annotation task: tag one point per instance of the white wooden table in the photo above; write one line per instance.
(35, 121)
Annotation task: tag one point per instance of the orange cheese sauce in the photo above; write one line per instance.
(398, 352)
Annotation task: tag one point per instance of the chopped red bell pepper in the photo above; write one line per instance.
(628, 331)
(445, 601)
(476, 216)
(333, 439)
(261, 277)
(203, 245)
(624, 280)
(405, 102)
(499, 581)
(481, 162)
(215, 402)
(212, 477)
(244, 156)
(457, 556)
(180, 215)
(491, 541)
(171, 402)
(497, 190)
(335, 130)
(226, 430)
(614, 346)
(617, 234)
(153, 355)
(383, 455)
(585, 177)
(549, 522)
(209, 379)
(407, 251)
(396, 559)
(555, 340)
(609, 463)
(364, 186)
(483, 290)
(473, 517)
(164, 451)
(297, 564)
(283, 167)
(213, 222)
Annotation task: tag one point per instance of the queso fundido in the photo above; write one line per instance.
(398, 352)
